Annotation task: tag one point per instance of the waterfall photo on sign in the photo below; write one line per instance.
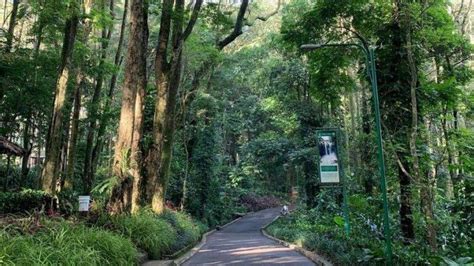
(328, 157)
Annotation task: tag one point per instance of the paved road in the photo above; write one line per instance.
(242, 243)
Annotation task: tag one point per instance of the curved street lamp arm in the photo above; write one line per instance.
(311, 47)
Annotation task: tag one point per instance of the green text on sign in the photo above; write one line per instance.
(328, 168)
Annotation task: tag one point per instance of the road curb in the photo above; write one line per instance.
(186, 256)
(317, 259)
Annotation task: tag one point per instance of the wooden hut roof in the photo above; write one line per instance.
(10, 148)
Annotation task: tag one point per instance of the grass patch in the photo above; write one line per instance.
(149, 232)
(106, 241)
(62, 243)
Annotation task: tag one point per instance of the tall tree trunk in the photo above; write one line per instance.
(137, 156)
(424, 182)
(88, 176)
(428, 189)
(135, 80)
(396, 86)
(354, 156)
(6, 184)
(168, 76)
(449, 149)
(65, 146)
(113, 82)
(4, 12)
(27, 147)
(406, 215)
(11, 26)
(450, 145)
(38, 150)
(312, 187)
(162, 80)
(68, 180)
(39, 37)
(184, 195)
(366, 156)
(158, 199)
(80, 81)
(54, 140)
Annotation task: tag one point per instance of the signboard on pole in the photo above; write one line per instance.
(329, 166)
(84, 203)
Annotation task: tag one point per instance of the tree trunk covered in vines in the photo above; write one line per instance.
(423, 181)
(395, 83)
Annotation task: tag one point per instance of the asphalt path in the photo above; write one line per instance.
(242, 243)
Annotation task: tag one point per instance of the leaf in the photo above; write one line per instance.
(464, 260)
(449, 261)
(339, 220)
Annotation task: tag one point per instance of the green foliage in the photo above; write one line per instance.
(158, 235)
(443, 93)
(321, 230)
(188, 231)
(12, 178)
(62, 243)
(52, 242)
(104, 188)
(24, 201)
(465, 140)
(246, 117)
(27, 98)
(148, 232)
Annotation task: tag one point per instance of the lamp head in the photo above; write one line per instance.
(310, 47)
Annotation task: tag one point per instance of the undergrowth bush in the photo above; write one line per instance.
(188, 231)
(322, 231)
(24, 201)
(62, 243)
(12, 179)
(148, 231)
(105, 240)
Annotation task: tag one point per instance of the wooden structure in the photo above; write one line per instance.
(9, 148)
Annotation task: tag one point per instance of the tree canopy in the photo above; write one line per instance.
(198, 105)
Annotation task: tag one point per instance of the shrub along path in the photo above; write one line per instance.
(242, 243)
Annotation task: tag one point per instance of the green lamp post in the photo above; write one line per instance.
(371, 71)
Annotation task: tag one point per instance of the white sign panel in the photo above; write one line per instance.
(328, 157)
(84, 202)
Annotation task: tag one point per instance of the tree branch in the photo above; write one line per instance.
(190, 4)
(265, 18)
(456, 16)
(400, 165)
(192, 20)
(163, 36)
(237, 31)
(466, 15)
